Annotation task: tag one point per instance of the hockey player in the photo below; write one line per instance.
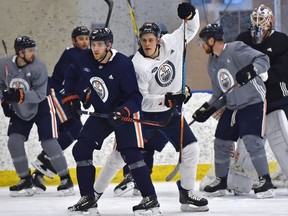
(23, 89)
(111, 77)
(264, 38)
(244, 116)
(158, 65)
(68, 129)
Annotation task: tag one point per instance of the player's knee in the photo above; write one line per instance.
(83, 149)
(16, 141)
(222, 147)
(254, 144)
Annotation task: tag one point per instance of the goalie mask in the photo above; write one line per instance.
(262, 21)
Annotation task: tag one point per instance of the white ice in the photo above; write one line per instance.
(50, 203)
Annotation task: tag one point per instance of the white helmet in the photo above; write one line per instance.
(262, 19)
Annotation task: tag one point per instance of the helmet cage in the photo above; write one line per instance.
(262, 17)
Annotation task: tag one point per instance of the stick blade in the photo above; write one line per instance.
(173, 173)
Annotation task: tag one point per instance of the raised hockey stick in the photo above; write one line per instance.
(110, 5)
(141, 121)
(131, 12)
(6, 65)
(176, 169)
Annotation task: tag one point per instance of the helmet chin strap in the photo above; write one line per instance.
(100, 60)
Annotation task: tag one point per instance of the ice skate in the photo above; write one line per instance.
(149, 206)
(85, 206)
(23, 188)
(190, 202)
(126, 185)
(136, 191)
(38, 181)
(217, 187)
(43, 165)
(66, 187)
(265, 188)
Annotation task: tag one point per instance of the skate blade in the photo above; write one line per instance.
(149, 212)
(22, 193)
(67, 192)
(89, 212)
(39, 190)
(38, 165)
(218, 193)
(118, 192)
(193, 208)
(266, 194)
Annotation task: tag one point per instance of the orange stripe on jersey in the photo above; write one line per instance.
(53, 117)
(264, 118)
(138, 130)
(60, 112)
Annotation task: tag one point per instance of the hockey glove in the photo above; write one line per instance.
(203, 113)
(246, 74)
(186, 11)
(71, 105)
(171, 98)
(14, 95)
(188, 94)
(115, 117)
(7, 109)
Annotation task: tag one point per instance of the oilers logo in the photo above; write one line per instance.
(225, 79)
(165, 74)
(100, 88)
(19, 83)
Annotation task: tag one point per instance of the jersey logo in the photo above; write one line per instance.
(269, 49)
(100, 87)
(86, 69)
(111, 77)
(165, 74)
(225, 79)
(19, 83)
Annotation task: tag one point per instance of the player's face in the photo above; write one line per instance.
(28, 54)
(81, 42)
(149, 45)
(204, 45)
(99, 49)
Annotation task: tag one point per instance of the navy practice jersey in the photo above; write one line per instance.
(112, 84)
(69, 55)
(276, 47)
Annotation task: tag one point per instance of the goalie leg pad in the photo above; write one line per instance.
(239, 181)
(277, 136)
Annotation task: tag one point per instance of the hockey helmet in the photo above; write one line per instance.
(212, 30)
(150, 28)
(80, 30)
(23, 42)
(101, 34)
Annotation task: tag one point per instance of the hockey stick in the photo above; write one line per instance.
(133, 19)
(6, 65)
(218, 99)
(176, 169)
(127, 119)
(110, 5)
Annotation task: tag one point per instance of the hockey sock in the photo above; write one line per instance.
(139, 170)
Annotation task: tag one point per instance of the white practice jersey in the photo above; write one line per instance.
(163, 74)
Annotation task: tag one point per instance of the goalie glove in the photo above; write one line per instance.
(14, 95)
(246, 74)
(203, 113)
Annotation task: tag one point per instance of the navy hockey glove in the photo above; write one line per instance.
(203, 113)
(171, 98)
(71, 105)
(14, 95)
(7, 109)
(246, 74)
(186, 11)
(188, 94)
(115, 117)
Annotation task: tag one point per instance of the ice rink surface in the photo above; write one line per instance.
(50, 204)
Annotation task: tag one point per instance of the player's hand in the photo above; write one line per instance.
(203, 113)
(171, 98)
(247, 73)
(14, 95)
(186, 11)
